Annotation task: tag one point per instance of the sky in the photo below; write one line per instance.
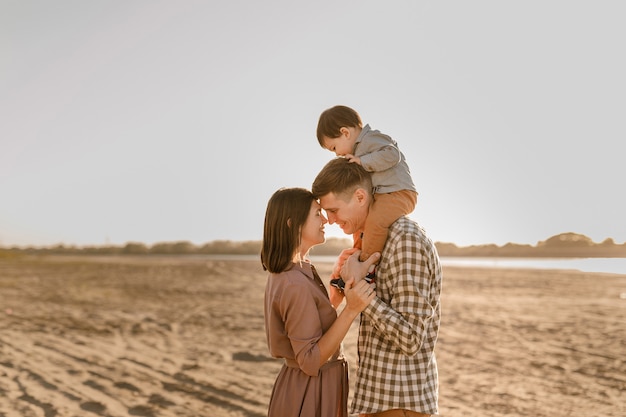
(162, 121)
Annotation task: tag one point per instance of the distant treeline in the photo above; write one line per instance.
(563, 245)
(333, 246)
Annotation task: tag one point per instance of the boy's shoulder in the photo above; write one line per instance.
(371, 136)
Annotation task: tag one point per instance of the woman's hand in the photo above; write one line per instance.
(358, 295)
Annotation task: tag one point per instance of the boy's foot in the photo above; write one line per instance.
(340, 284)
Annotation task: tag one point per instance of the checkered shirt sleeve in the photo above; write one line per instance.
(398, 330)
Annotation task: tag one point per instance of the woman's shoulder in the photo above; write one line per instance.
(295, 275)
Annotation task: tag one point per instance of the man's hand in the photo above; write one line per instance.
(354, 269)
(340, 261)
(336, 295)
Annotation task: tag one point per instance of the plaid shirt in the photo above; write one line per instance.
(398, 330)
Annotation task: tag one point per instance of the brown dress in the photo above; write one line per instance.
(297, 313)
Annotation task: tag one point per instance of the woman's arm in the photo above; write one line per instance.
(358, 296)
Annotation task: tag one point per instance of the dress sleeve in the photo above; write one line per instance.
(300, 314)
(405, 320)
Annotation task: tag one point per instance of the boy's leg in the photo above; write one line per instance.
(387, 208)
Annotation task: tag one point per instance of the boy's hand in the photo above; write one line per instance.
(352, 158)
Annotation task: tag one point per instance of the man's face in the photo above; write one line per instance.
(348, 212)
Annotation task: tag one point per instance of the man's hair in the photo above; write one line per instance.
(342, 178)
(333, 119)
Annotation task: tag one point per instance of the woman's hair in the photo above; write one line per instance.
(341, 177)
(333, 119)
(287, 211)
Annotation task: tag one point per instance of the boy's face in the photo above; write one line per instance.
(344, 143)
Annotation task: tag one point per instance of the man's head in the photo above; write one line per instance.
(345, 193)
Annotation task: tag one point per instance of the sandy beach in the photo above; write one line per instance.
(184, 337)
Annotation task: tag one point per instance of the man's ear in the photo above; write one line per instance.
(361, 196)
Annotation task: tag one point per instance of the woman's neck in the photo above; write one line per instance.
(301, 256)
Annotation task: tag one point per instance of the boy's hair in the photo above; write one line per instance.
(341, 177)
(287, 211)
(333, 119)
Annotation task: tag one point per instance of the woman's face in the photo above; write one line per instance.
(313, 228)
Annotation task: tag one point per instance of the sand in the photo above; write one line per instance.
(144, 336)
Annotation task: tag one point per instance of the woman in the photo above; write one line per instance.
(302, 326)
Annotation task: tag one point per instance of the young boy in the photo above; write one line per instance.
(341, 131)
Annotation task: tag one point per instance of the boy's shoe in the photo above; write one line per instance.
(338, 283)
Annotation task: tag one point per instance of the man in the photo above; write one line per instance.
(397, 373)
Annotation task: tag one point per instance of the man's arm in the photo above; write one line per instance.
(404, 320)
